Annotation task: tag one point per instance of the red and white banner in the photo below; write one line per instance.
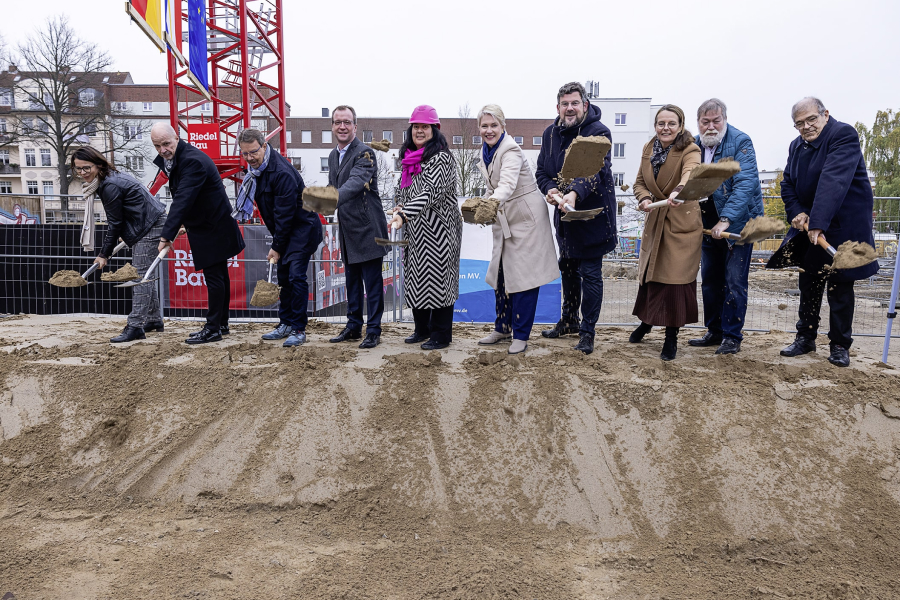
(205, 137)
(187, 286)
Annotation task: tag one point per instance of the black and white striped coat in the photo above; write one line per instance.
(434, 231)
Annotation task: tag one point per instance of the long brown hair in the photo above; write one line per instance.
(90, 154)
(685, 138)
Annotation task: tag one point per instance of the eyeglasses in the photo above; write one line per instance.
(573, 104)
(251, 153)
(84, 169)
(344, 123)
(807, 122)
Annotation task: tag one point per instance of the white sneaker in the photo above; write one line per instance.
(517, 347)
(495, 337)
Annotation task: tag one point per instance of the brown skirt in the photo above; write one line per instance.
(666, 304)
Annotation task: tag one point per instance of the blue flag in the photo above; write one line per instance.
(197, 41)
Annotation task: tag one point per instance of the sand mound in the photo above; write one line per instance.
(126, 273)
(67, 279)
(584, 157)
(479, 211)
(382, 146)
(265, 293)
(851, 255)
(248, 469)
(322, 200)
(761, 228)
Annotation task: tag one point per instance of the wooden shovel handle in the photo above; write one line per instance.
(821, 241)
(724, 234)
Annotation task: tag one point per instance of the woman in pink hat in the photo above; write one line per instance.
(426, 204)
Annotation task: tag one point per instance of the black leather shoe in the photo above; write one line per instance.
(709, 339)
(372, 340)
(129, 334)
(560, 329)
(346, 334)
(670, 346)
(433, 345)
(585, 344)
(158, 326)
(728, 346)
(799, 346)
(204, 336)
(840, 356)
(224, 330)
(638, 334)
(415, 338)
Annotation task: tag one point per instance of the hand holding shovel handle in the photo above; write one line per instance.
(271, 264)
(821, 241)
(725, 234)
(95, 266)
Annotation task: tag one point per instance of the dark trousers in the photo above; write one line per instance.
(582, 286)
(436, 323)
(368, 274)
(515, 311)
(218, 289)
(725, 270)
(294, 295)
(840, 300)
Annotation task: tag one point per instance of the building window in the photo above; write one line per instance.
(134, 163)
(297, 162)
(48, 100)
(457, 140)
(387, 135)
(476, 140)
(367, 137)
(404, 137)
(537, 140)
(519, 140)
(618, 150)
(135, 133)
(45, 157)
(148, 106)
(620, 118)
(324, 163)
(306, 137)
(48, 187)
(397, 163)
(87, 98)
(6, 97)
(288, 136)
(120, 106)
(618, 178)
(32, 187)
(4, 157)
(2, 125)
(326, 139)
(89, 129)
(29, 159)
(620, 206)
(207, 106)
(5, 187)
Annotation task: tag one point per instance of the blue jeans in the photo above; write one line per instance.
(582, 286)
(368, 274)
(725, 270)
(294, 295)
(516, 311)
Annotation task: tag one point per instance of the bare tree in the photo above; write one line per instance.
(61, 85)
(466, 153)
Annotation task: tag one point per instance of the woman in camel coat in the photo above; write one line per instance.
(670, 244)
(524, 257)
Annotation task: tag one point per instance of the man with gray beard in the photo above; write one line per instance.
(725, 266)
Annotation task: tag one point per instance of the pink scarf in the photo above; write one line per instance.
(412, 166)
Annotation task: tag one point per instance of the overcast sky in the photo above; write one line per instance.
(384, 58)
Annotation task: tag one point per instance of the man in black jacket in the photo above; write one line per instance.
(199, 202)
(276, 187)
(582, 244)
(352, 169)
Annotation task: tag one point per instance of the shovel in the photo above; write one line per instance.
(72, 279)
(94, 266)
(150, 270)
(266, 293)
(571, 214)
(395, 239)
(725, 234)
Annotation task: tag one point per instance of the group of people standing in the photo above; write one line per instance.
(825, 190)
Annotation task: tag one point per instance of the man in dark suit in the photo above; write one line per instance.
(352, 169)
(276, 187)
(199, 202)
(826, 188)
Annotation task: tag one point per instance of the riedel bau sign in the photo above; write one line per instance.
(205, 137)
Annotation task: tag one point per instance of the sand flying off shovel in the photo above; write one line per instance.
(756, 229)
(70, 279)
(266, 293)
(382, 146)
(584, 157)
(322, 200)
(704, 180)
(479, 211)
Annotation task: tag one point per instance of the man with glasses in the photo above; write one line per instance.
(200, 203)
(353, 170)
(826, 191)
(724, 265)
(582, 244)
(275, 186)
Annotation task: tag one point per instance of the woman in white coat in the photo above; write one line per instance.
(524, 257)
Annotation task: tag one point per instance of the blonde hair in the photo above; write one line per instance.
(495, 111)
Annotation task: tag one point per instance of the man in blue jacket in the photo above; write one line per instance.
(276, 187)
(582, 244)
(724, 265)
(826, 189)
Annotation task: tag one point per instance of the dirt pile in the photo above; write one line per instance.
(126, 273)
(584, 157)
(67, 279)
(851, 255)
(265, 293)
(382, 146)
(318, 199)
(246, 469)
(761, 228)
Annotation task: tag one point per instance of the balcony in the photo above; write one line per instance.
(6, 169)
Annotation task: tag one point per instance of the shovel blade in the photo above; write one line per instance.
(386, 242)
(134, 283)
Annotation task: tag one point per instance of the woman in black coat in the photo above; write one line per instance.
(133, 215)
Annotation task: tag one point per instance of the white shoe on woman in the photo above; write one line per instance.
(494, 338)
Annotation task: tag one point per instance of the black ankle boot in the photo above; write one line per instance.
(638, 334)
(670, 346)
